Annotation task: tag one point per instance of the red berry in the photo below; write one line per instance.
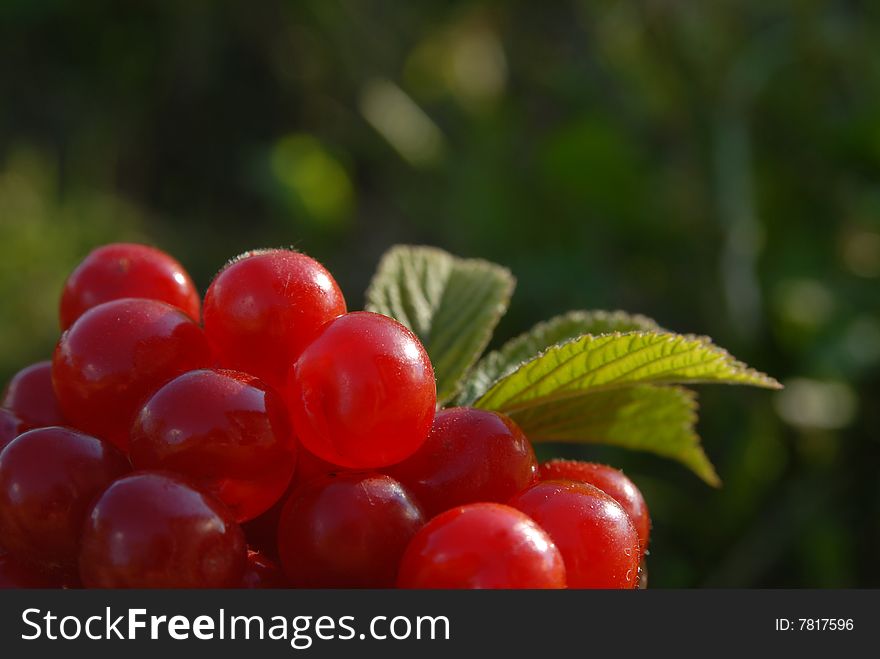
(15, 574)
(48, 479)
(481, 545)
(123, 270)
(30, 395)
(265, 307)
(224, 430)
(612, 482)
(10, 427)
(347, 531)
(470, 455)
(115, 356)
(154, 530)
(262, 572)
(362, 395)
(595, 536)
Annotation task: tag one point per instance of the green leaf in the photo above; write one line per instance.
(608, 389)
(451, 304)
(593, 363)
(571, 325)
(644, 417)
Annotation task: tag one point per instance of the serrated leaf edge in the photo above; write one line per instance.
(759, 378)
(602, 315)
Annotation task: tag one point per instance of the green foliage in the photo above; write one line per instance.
(544, 335)
(660, 420)
(590, 363)
(584, 377)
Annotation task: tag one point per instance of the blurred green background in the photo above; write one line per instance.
(715, 165)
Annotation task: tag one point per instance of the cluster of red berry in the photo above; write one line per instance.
(281, 442)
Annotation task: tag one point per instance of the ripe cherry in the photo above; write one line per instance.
(612, 482)
(15, 574)
(595, 536)
(115, 356)
(481, 545)
(155, 530)
(346, 531)
(48, 479)
(10, 427)
(362, 395)
(265, 307)
(224, 430)
(30, 395)
(123, 270)
(470, 455)
(262, 572)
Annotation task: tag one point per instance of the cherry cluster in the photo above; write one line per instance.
(265, 438)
